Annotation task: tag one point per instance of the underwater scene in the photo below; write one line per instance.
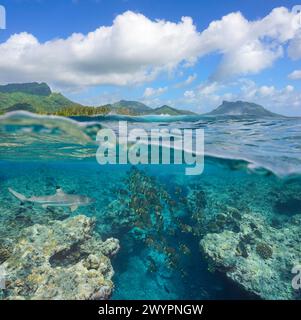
(71, 228)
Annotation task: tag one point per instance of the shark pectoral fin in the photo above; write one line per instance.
(73, 208)
(44, 206)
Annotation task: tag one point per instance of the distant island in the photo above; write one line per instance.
(241, 108)
(38, 98)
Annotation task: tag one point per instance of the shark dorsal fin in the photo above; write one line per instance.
(59, 191)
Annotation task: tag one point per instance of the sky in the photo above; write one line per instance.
(187, 54)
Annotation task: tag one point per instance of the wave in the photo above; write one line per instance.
(261, 145)
(142, 118)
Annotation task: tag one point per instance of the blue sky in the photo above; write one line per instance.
(144, 50)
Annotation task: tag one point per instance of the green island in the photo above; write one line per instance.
(38, 98)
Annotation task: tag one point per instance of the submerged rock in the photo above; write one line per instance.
(259, 258)
(62, 260)
(5, 250)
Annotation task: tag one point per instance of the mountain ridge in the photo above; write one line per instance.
(165, 109)
(241, 108)
(38, 98)
(41, 89)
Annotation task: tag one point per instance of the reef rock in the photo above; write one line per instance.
(62, 260)
(256, 256)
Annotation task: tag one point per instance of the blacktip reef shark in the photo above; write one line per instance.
(59, 199)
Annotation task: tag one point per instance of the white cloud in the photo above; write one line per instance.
(134, 49)
(249, 46)
(189, 80)
(190, 94)
(151, 92)
(204, 97)
(295, 75)
(266, 91)
(285, 100)
(209, 88)
(289, 88)
(294, 49)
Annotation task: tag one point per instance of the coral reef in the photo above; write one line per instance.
(5, 251)
(227, 220)
(160, 217)
(257, 257)
(60, 260)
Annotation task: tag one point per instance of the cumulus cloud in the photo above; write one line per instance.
(135, 49)
(294, 49)
(295, 75)
(189, 80)
(151, 92)
(250, 46)
(190, 94)
(285, 100)
(205, 97)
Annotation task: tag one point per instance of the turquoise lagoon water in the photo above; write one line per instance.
(252, 165)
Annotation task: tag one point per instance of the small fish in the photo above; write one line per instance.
(166, 289)
(184, 249)
(59, 199)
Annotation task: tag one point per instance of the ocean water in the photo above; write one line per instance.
(158, 213)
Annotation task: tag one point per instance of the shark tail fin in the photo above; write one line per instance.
(18, 195)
